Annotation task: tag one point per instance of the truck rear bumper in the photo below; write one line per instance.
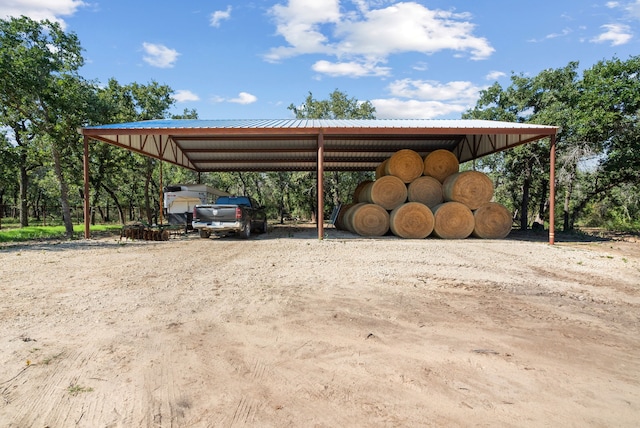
(218, 226)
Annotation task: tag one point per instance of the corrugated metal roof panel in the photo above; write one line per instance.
(279, 144)
(317, 123)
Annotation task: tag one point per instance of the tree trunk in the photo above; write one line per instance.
(283, 181)
(1, 206)
(24, 182)
(155, 203)
(147, 183)
(64, 192)
(524, 208)
(94, 202)
(566, 215)
(244, 183)
(565, 211)
(256, 183)
(115, 201)
(544, 201)
(335, 188)
(315, 216)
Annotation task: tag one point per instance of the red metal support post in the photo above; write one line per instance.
(161, 198)
(320, 186)
(552, 191)
(87, 208)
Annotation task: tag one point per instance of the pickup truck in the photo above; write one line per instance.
(230, 214)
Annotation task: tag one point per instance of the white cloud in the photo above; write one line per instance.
(411, 27)
(617, 34)
(38, 10)
(159, 55)
(565, 32)
(459, 91)
(393, 108)
(421, 66)
(495, 75)
(184, 95)
(219, 15)
(299, 23)
(425, 99)
(369, 36)
(633, 9)
(242, 98)
(349, 69)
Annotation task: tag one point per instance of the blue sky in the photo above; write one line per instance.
(411, 59)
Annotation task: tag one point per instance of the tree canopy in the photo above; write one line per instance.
(598, 152)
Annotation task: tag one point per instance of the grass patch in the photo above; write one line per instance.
(31, 233)
(49, 360)
(77, 389)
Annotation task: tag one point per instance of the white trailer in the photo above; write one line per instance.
(179, 200)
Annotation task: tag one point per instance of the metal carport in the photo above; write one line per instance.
(311, 145)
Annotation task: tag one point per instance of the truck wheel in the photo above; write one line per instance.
(204, 234)
(246, 231)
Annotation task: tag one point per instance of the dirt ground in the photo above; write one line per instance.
(285, 330)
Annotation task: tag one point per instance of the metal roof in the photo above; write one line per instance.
(295, 144)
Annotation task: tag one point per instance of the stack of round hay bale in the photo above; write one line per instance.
(416, 197)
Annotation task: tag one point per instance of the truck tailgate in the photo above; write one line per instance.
(215, 213)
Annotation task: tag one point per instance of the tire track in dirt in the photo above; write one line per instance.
(167, 391)
(62, 381)
(245, 412)
(302, 332)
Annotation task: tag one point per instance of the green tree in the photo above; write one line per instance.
(520, 166)
(34, 57)
(8, 172)
(609, 122)
(338, 106)
(117, 172)
(598, 117)
(339, 186)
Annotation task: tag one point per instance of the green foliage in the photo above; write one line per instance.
(38, 66)
(598, 117)
(338, 106)
(8, 169)
(186, 114)
(618, 210)
(339, 186)
(31, 233)
(120, 177)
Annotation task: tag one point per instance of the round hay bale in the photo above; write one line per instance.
(492, 221)
(405, 164)
(358, 190)
(412, 220)
(426, 190)
(347, 219)
(370, 220)
(380, 170)
(339, 223)
(452, 220)
(440, 164)
(388, 192)
(472, 188)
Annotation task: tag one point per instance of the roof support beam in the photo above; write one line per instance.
(320, 186)
(85, 166)
(552, 190)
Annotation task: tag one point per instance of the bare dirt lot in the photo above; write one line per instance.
(287, 330)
